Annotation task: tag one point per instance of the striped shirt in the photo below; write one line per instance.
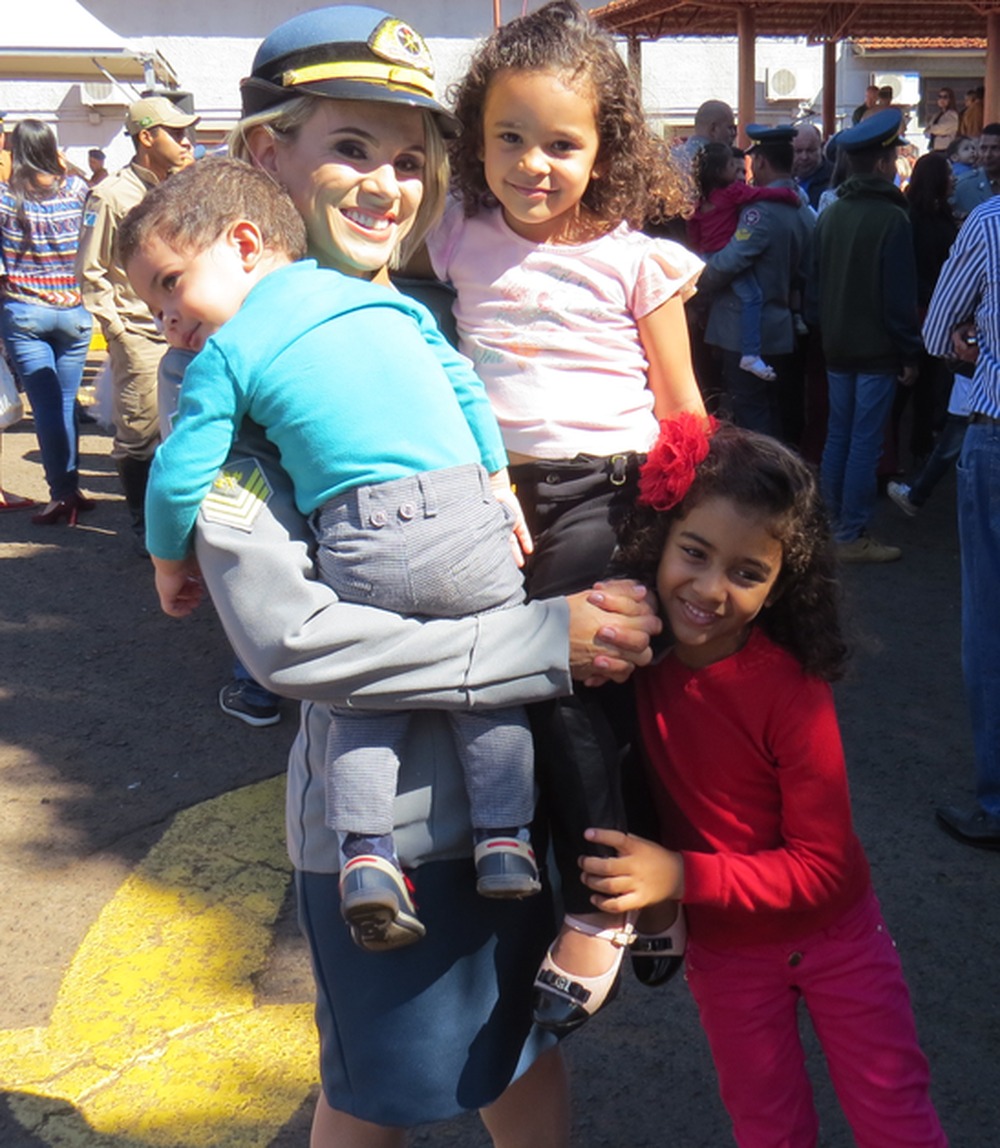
(969, 289)
(40, 265)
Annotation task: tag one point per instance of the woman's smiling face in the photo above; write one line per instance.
(355, 171)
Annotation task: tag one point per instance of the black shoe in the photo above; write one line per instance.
(656, 957)
(233, 701)
(975, 827)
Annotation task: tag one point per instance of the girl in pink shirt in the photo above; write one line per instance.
(574, 320)
(747, 766)
(723, 195)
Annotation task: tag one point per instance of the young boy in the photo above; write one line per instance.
(387, 435)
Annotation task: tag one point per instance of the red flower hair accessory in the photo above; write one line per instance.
(669, 469)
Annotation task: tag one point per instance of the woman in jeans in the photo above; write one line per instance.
(44, 324)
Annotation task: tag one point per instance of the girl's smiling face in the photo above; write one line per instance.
(540, 144)
(355, 171)
(717, 572)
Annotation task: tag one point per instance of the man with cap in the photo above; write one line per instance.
(773, 240)
(159, 131)
(963, 303)
(864, 271)
(983, 182)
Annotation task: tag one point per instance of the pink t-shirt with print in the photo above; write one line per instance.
(551, 329)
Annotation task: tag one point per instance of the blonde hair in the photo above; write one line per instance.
(285, 121)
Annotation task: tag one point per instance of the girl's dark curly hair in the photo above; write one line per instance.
(768, 480)
(638, 177)
(711, 163)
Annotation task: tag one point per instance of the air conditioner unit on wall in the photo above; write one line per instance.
(102, 94)
(784, 84)
(905, 86)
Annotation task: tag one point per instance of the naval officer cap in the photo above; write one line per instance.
(764, 136)
(346, 52)
(882, 130)
(763, 133)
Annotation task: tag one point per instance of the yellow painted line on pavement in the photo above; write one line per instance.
(154, 1039)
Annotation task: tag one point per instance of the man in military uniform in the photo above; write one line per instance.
(772, 240)
(866, 273)
(158, 128)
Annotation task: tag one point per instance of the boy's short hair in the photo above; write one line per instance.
(192, 209)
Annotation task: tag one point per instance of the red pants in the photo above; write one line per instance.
(851, 980)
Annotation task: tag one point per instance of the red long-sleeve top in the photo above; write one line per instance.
(750, 785)
(712, 226)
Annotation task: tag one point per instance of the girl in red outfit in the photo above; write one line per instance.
(723, 195)
(746, 760)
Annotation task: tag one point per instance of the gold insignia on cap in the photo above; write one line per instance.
(238, 495)
(393, 40)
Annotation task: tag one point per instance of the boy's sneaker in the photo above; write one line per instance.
(755, 365)
(899, 492)
(375, 902)
(506, 868)
(864, 548)
(234, 700)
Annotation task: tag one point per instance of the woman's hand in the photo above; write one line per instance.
(609, 631)
(179, 585)
(643, 873)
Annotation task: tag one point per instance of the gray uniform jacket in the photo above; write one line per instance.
(772, 240)
(297, 638)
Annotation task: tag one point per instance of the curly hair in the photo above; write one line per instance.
(711, 163)
(767, 479)
(638, 177)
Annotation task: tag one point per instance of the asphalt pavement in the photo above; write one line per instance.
(153, 988)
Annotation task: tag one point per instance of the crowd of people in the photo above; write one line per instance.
(662, 414)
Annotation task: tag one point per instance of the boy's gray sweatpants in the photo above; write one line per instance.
(435, 544)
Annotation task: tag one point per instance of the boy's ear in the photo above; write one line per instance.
(247, 238)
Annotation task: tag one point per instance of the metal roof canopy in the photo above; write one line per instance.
(820, 21)
(148, 69)
(60, 39)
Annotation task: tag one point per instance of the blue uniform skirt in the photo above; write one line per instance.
(444, 1026)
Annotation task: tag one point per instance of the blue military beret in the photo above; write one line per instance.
(879, 130)
(345, 52)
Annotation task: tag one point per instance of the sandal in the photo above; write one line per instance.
(562, 1001)
(656, 957)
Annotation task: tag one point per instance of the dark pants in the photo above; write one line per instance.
(755, 404)
(572, 508)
